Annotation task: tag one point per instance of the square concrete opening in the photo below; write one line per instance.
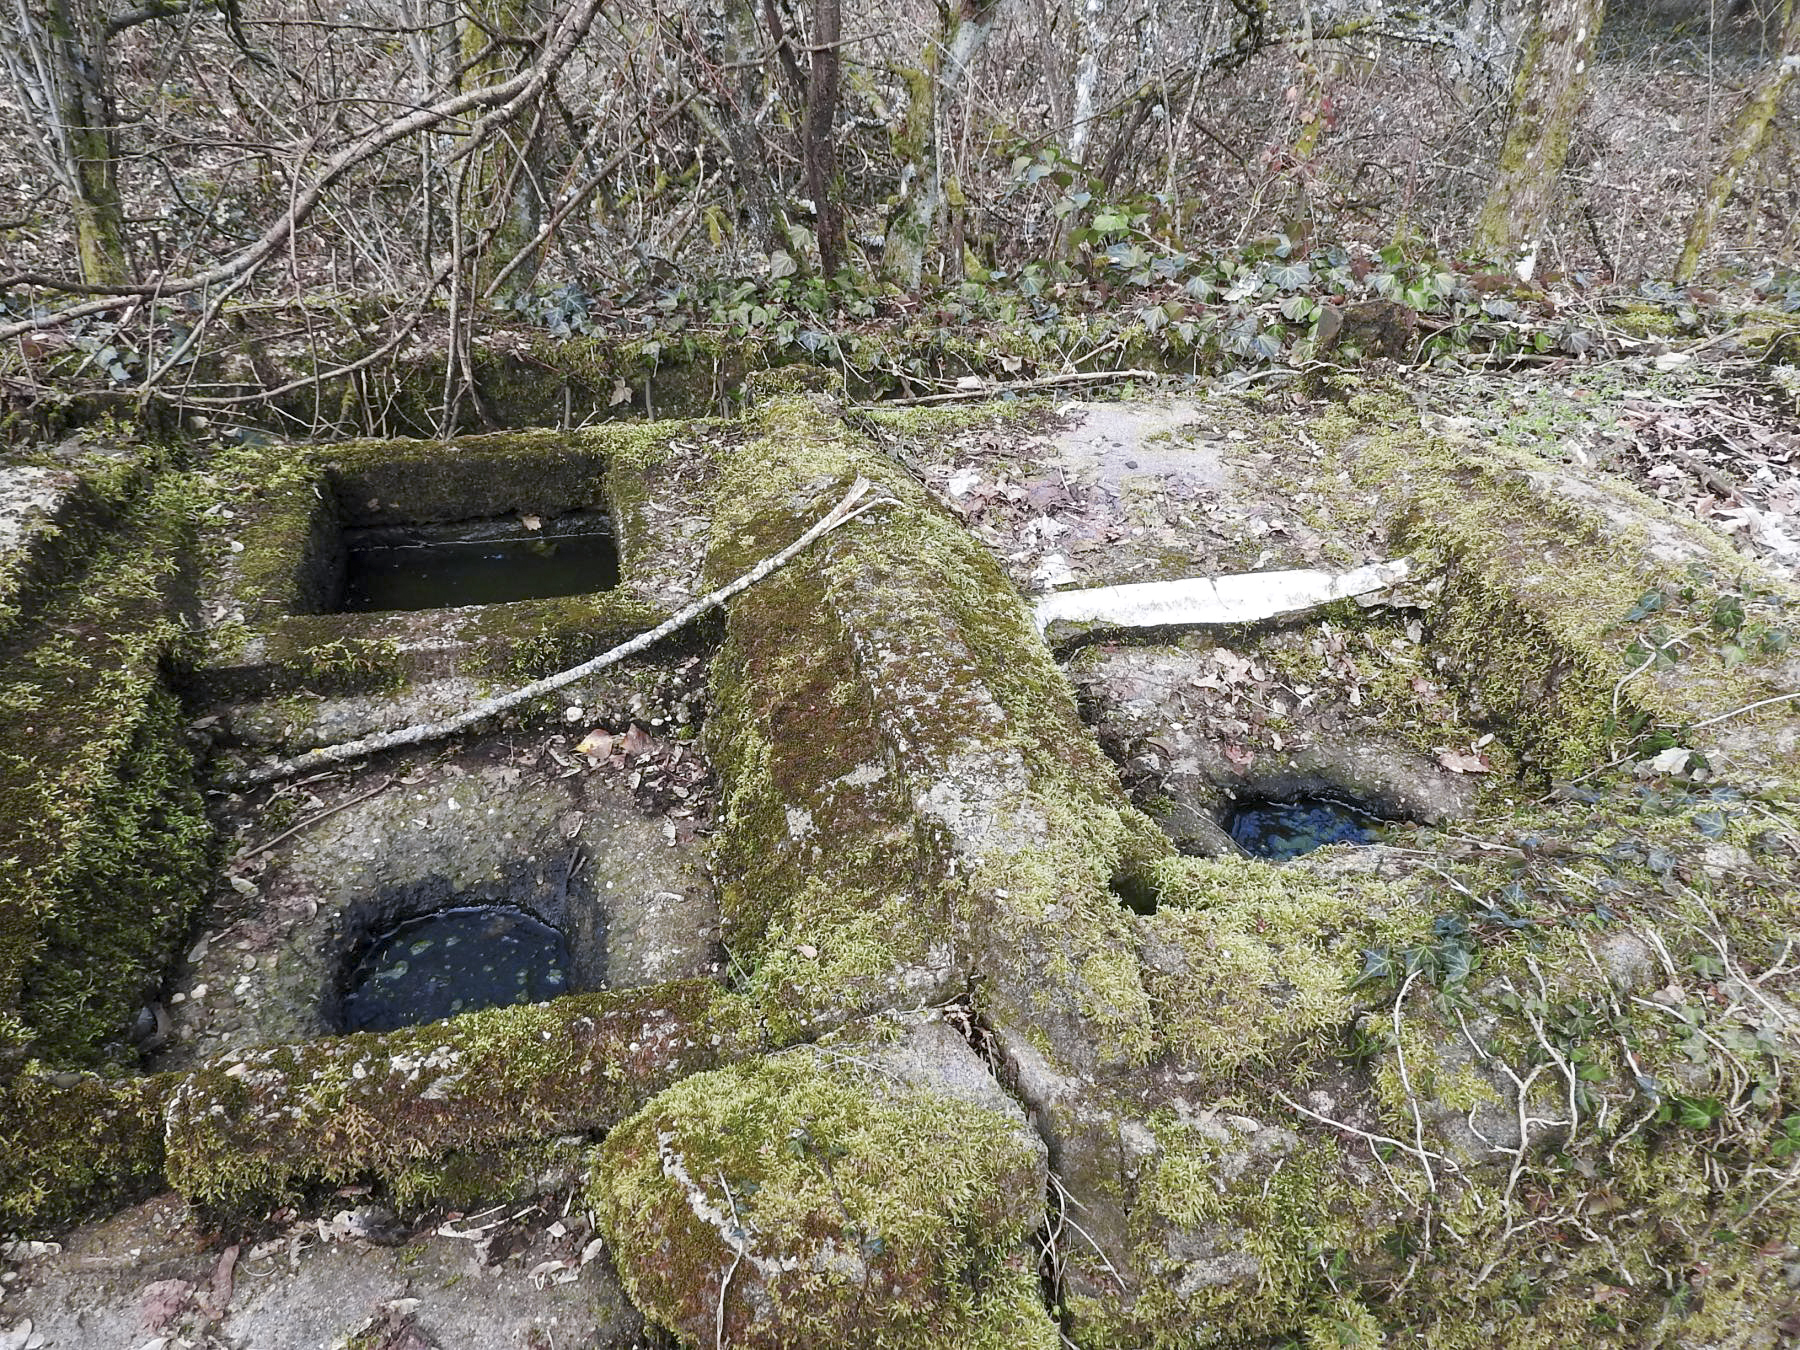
(479, 562)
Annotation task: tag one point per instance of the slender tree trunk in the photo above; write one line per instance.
(506, 196)
(820, 148)
(1749, 132)
(917, 221)
(1547, 93)
(1087, 75)
(57, 60)
(740, 85)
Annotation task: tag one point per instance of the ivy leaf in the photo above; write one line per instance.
(1298, 308)
(1378, 964)
(1458, 962)
(1291, 276)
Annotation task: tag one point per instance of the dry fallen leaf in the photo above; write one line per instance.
(637, 741)
(597, 744)
(1464, 761)
(161, 1303)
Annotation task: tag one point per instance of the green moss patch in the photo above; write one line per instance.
(856, 1210)
(264, 1122)
(1542, 614)
(105, 844)
(1257, 963)
(1524, 1095)
(65, 1148)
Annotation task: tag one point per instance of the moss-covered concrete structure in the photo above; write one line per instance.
(992, 1062)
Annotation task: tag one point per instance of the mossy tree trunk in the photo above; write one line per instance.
(57, 59)
(917, 221)
(1749, 133)
(732, 52)
(1547, 93)
(506, 199)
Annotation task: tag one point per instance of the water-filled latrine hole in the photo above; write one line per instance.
(1279, 830)
(454, 961)
(482, 562)
(434, 947)
(1135, 891)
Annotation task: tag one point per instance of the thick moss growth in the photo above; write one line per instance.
(907, 782)
(855, 1211)
(1545, 578)
(66, 1148)
(1534, 1103)
(1251, 965)
(261, 1123)
(128, 897)
(105, 844)
(85, 496)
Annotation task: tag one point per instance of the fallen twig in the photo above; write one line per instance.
(315, 818)
(987, 390)
(849, 508)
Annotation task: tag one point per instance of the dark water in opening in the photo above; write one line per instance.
(1135, 893)
(454, 961)
(480, 563)
(1282, 830)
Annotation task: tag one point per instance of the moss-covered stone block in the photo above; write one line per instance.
(68, 1145)
(1543, 614)
(830, 1197)
(56, 507)
(908, 785)
(104, 846)
(273, 539)
(262, 1123)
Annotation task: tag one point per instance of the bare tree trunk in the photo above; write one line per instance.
(740, 87)
(820, 148)
(1090, 40)
(1749, 132)
(1547, 93)
(57, 61)
(917, 221)
(507, 195)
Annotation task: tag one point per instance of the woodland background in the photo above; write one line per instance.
(1226, 180)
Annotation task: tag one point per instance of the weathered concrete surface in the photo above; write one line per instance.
(1350, 1098)
(1198, 723)
(556, 834)
(149, 1276)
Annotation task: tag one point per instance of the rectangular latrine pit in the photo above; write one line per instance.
(480, 562)
(391, 565)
